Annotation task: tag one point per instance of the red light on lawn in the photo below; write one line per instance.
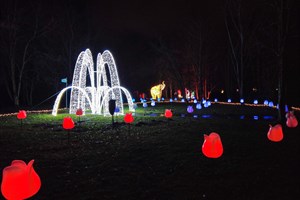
(275, 133)
(291, 120)
(79, 112)
(212, 146)
(128, 118)
(168, 113)
(22, 114)
(68, 123)
(20, 181)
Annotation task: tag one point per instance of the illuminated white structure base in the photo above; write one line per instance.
(95, 98)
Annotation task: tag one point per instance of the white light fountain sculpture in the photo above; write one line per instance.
(102, 87)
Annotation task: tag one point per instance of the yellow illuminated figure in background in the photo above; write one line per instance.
(156, 91)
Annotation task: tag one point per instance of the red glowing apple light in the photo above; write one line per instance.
(168, 113)
(68, 123)
(22, 114)
(212, 146)
(275, 133)
(291, 120)
(128, 118)
(20, 181)
(79, 112)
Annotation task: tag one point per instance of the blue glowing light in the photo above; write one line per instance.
(198, 106)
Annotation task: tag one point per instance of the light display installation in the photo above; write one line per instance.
(103, 86)
(156, 91)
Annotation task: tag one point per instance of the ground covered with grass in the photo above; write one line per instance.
(156, 158)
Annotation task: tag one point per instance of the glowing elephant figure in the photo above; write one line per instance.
(156, 91)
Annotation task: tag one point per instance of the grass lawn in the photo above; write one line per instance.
(157, 158)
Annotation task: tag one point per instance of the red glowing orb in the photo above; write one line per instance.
(20, 181)
(291, 120)
(79, 112)
(212, 146)
(275, 133)
(128, 118)
(22, 114)
(68, 123)
(168, 113)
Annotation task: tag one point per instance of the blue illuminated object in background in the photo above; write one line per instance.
(198, 106)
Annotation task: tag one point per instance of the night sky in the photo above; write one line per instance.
(128, 28)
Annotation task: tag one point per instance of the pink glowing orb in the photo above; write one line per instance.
(275, 133)
(291, 120)
(22, 114)
(128, 118)
(190, 109)
(212, 146)
(168, 113)
(20, 181)
(79, 112)
(68, 123)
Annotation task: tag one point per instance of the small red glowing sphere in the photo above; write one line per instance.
(168, 113)
(128, 118)
(291, 120)
(22, 114)
(275, 133)
(20, 181)
(68, 123)
(212, 146)
(79, 112)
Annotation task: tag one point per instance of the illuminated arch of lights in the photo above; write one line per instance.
(102, 88)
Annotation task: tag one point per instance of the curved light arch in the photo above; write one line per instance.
(101, 90)
(59, 96)
(127, 94)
